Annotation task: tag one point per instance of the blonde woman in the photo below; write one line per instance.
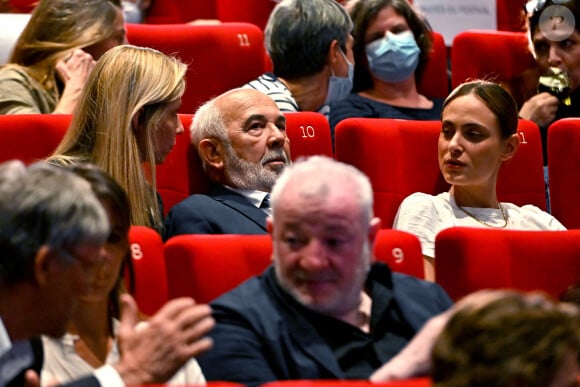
(55, 53)
(126, 122)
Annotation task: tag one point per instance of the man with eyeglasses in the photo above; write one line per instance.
(52, 232)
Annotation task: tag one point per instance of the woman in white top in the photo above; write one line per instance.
(90, 341)
(478, 133)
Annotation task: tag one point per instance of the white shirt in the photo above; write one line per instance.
(426, 215)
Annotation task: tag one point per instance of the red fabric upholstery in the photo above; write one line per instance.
(22, 6)
(150, 290)
(401, 251)
(208, 384)
(419, 382)
(510, 15)
(180, 11)
(181, 174)
(564, 170)
(249, 11)
(469, 259)
(493, 55)
(205, 266)
(400, 158)
(31, 137)
(435, 81)
(220, 57)
(309, 134)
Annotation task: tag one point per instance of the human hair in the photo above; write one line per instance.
(533, 18)
(496, 98)
(44, 205)
(505, 338)
(298, 35)
(326, 168)
(108, 190)
(56, 28)
(116, 118)
(363, 13)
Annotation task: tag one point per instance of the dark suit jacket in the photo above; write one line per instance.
(260, 336)
(221, 212)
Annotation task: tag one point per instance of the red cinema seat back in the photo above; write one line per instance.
(220, 57)
(435, 81)
(470, 259)
(401, 251)
(149, 274)
(417, 382)
(400, 158)
(206, 266)
(179, 11)
(564, 170)
(31, 137)
(499, 56)
(249, 11)
(309, 134)
(181, 174)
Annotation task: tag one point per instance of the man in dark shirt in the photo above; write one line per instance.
(323, 310)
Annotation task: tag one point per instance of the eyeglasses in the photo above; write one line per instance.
(533, 6)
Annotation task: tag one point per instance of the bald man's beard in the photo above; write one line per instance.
(243, 174)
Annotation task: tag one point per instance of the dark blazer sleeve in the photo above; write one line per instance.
(239, 349)
(191, 216)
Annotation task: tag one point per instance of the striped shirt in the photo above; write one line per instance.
(270, 85)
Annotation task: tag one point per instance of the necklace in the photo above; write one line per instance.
(503, 215)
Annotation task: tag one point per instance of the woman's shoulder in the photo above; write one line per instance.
(533, 217)
(421, 199)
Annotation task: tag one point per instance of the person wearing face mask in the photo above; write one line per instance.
(391, 44)
(310, 45)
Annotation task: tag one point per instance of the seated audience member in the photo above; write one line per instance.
(554, 46)
(52, 233)
(135, 10)
(391, 47)
(478, 133)
(504, 338)
(126, 122)
(56, 52)
(310, 45)
(241, 139)
(571, 294)
(324, 309)
(91, 338)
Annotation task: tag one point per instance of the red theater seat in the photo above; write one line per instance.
(150, 280)
(249, 11)
(435, 81)
(498, 56)
(31, 137)
(418, 382)
(564, 170)
(181, 174)
(180, 11)
(400, 158)
(205, 266)
(220, 57)
(309, 134)
(470, 259)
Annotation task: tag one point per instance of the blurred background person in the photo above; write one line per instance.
(56, 52)
(392, 42)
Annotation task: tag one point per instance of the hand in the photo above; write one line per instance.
(31, 379)
(74, 72)
(415, 359)
(541, 109)
(154, 352)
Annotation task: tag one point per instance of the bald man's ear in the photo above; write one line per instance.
(212, 151)
(43, 259)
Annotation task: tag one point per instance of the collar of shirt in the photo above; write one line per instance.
(254, 196)
(5, 343)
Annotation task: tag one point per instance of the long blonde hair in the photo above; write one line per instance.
(57, 27)
(126, 81)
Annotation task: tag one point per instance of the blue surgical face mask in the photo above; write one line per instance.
(393, 58)
(340, 87)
